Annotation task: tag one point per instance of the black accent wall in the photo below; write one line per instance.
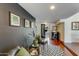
(11, 37)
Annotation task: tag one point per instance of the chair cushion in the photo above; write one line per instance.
(23, 52)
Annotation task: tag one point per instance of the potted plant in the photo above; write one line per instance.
(37, 37)
(36, 41)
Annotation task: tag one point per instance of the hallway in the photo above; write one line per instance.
(24, 25)
(51, 50)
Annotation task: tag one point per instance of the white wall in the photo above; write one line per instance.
(71, 35)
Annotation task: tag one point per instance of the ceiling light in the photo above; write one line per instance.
(52, 7)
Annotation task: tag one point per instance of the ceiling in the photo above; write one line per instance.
(42, 12)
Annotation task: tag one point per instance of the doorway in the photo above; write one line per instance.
(60, 29)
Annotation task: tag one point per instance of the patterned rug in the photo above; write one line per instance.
(51, 50)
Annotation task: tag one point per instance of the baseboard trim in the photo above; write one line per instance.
(74, 42)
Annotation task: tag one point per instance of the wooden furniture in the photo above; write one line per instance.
(34, 50)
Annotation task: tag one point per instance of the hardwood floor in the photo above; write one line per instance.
(67, 49)
(74, 47)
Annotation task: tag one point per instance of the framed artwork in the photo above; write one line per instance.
(27, 23)
(14, 20)
(43, 30)
(75, 25)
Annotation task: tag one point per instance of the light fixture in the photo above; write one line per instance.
(52, 7)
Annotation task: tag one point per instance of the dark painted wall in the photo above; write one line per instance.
(11, 37)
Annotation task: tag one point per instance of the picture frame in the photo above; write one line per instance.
(75, 25)
(14, 20)
(27, 23)
(43, 30)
